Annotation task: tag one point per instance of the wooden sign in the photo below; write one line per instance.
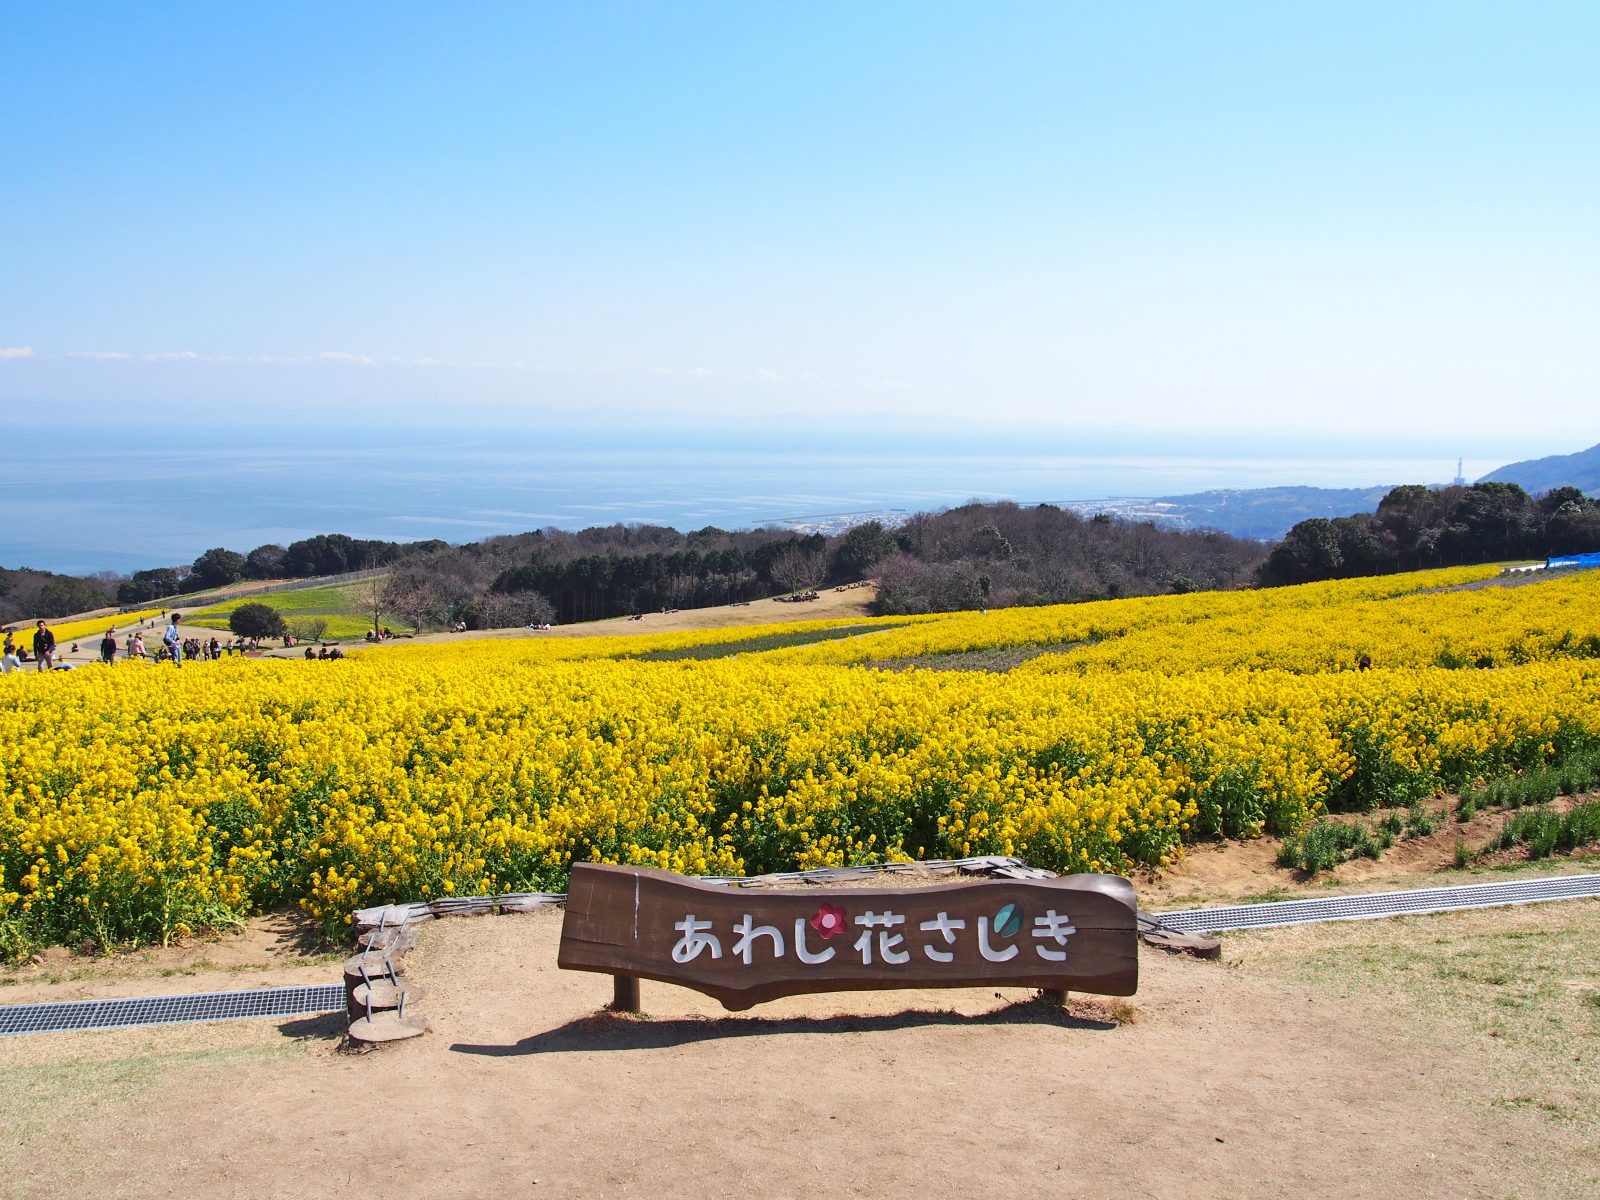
(743, 947)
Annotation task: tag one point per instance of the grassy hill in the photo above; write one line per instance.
(340, 605)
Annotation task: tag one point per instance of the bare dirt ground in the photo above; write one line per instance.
(1450, 1056)
(829, 605)
(1230, 872)
(275, 950)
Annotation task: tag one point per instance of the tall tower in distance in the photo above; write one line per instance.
(1460, 479)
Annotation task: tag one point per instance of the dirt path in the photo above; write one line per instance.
(829, 605)
(1228, 1082)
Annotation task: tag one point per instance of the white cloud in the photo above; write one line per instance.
(173, 356)
(676, 372)
(341, 356)
(100, 355)
(16, 351)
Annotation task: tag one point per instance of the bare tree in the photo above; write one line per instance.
(307, 629)
(372, 597)
(414, 596)
(515, 609)
(797, 569)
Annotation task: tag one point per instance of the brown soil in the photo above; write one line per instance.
(1217, 1080)
(1228, 872)
(276, 950)
(1221, 1083)
(829, 605)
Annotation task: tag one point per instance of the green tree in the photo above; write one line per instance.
(861, 547)
(68, 594)
(265, 562)
(148, 585)
(1309, 551)
(215, 568)
(256, 620)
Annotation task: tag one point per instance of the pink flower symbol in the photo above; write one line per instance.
(829, 920)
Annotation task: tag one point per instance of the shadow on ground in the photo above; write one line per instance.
(620, 1031)
(328, 1027)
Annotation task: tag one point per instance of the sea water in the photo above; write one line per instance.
(129, 502)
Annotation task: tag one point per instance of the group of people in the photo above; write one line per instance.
(14, 655)
(44, 651)
(174, 647)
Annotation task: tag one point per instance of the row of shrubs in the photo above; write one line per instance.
(1324, 844)
(1545, 832)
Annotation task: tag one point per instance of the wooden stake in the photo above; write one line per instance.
(1054, 996)
(625, 993)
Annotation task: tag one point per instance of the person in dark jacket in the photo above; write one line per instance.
(44, 647)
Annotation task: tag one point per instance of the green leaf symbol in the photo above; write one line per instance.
(1007, 921)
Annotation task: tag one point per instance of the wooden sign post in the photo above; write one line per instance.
(743, 947)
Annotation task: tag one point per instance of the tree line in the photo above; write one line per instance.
(975, 555)
(632, 570)
(1001, 555)
(26, 593)
(1417, 527)
(324, 554)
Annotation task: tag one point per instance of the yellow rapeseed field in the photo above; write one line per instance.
(68, 632)
(139, 802)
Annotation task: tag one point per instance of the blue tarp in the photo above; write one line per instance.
(1573, 560)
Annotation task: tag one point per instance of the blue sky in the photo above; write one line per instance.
(1352, 219)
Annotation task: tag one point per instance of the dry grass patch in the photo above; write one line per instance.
(1515, 990)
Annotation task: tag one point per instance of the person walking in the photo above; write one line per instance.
(44, 647)
(108, 647)
(174, 639)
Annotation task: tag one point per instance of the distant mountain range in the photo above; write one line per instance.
(1580, 470)
(1269, 513)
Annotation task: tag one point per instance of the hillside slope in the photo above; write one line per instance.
(1580, 470)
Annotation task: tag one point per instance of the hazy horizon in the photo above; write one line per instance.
(122, 499)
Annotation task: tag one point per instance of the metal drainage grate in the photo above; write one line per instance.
(170, 1010)
(1380, 904)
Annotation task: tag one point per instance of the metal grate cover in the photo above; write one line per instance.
(170, 1010)
(1381, 904)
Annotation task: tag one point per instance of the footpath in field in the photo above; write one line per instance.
(829, 605)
